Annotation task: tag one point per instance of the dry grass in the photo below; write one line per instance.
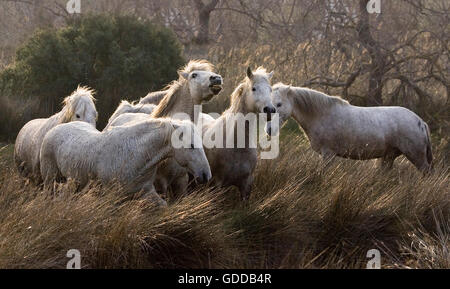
(299, 216)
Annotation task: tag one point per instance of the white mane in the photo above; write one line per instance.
(310, 100)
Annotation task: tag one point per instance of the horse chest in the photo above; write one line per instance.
(234, 164)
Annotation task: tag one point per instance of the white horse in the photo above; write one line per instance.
(127, 107)
(197, 84)
(235, 166)
(127, 154)
(337, 128)
(79, 106)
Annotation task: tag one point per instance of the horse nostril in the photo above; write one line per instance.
(265, 109)
(273, 110)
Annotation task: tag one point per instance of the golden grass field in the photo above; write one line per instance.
(299, 216)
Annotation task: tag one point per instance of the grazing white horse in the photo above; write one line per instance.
(79, 106)
(337, 128)
(235, 166)
(127, 154)
(197, 84)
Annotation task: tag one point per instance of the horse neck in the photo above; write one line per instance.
(153, 143)
(238, 106)
(304, 120)
(162, 150)
(184, 102)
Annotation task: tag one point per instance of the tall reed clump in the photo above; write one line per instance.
(300, 215)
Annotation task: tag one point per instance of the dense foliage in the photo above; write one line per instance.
(120, 57)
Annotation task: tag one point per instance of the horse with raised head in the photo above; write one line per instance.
(79, 106)
(126, 154)
(234, 166)
(337, 128)
(197, 84)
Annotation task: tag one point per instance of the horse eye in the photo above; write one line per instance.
(194, 75)
(279, 105)
(192, 146)
(77, 115)
(253, 89)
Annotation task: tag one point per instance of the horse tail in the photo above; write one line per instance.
(429, 151)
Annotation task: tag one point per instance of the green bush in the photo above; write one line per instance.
(119, 56)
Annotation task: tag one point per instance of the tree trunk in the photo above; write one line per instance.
(377, 57)
(203, 32)
(204, 14)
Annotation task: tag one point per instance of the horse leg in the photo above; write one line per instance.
(419, 159)
(387, 161)
(80, 184)
(50, 174)
(328, 158)
(179, 185)
(161, 185)
(245, 188)
(153, 196)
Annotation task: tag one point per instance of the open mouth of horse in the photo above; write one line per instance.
(215, 88)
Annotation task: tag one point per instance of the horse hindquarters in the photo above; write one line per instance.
(21, 153)
(49, 168)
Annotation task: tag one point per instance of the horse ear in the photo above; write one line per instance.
(183, 74)
(249, 72)
(287, 88)
(270, 75)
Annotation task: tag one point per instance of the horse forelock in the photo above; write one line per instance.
(199, 64)
(237, 99)
(261, 71)
(83, 95)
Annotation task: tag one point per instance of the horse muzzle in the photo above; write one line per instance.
(203, 177)
(215, 84)
(268, 110)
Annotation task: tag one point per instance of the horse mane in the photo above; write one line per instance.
(236, 99)
(171, 97)
(313, 101)
(169, 100)
(168, 126)
(72, 101)
(153, 97)
(198, 64)
(123, 107)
